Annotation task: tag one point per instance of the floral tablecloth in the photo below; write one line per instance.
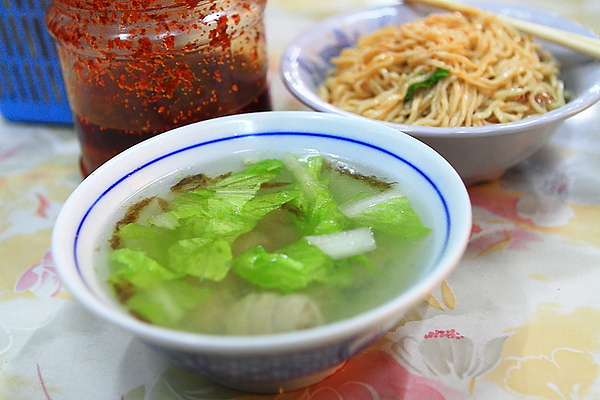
(518, 319)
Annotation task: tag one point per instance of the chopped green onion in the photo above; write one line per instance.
(438, 74)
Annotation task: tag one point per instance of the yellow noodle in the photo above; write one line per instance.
(496, 74)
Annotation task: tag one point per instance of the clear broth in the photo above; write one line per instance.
(399, 263)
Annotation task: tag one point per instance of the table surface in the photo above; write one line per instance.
(519, 318)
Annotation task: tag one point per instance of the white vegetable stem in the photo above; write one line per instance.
(357, 207)
(297, 169)
(346, 243)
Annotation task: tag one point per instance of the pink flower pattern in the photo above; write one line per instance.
(445, 356)
(43, 205)
(448, 333)
(513, 238)
(41, 279)
(372, 374)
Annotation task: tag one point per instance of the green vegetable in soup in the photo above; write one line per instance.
(389, 212)
(270, 313)
(275, 227)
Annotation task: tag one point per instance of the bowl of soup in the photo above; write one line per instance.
(479, 92)
(263, 250)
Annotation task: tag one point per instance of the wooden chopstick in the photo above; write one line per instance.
(583, 44)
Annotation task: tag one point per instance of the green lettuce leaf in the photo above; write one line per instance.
(136, 268)
(169, 302)
(172, 261)
(200, 257)
(150, 240)
(228, 207)
(317, 212)
(248, 179)
(295, 266)
(223, 197)
(271, 270)
(195, 236)
(389, 213)
(318, 265)
(218, 219)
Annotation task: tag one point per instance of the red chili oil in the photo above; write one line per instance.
(134, 69)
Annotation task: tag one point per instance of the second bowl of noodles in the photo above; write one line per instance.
(482, 94)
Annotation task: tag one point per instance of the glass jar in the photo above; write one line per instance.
(137, 68)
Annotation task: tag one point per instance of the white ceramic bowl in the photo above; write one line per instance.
(264, 363)
(477, 153)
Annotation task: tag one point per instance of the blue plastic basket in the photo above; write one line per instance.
(31, 85)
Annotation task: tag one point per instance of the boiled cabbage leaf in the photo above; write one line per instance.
(317, 211)
(167, 303)
(387, 212)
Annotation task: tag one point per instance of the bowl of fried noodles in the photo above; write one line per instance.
(479, 92)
